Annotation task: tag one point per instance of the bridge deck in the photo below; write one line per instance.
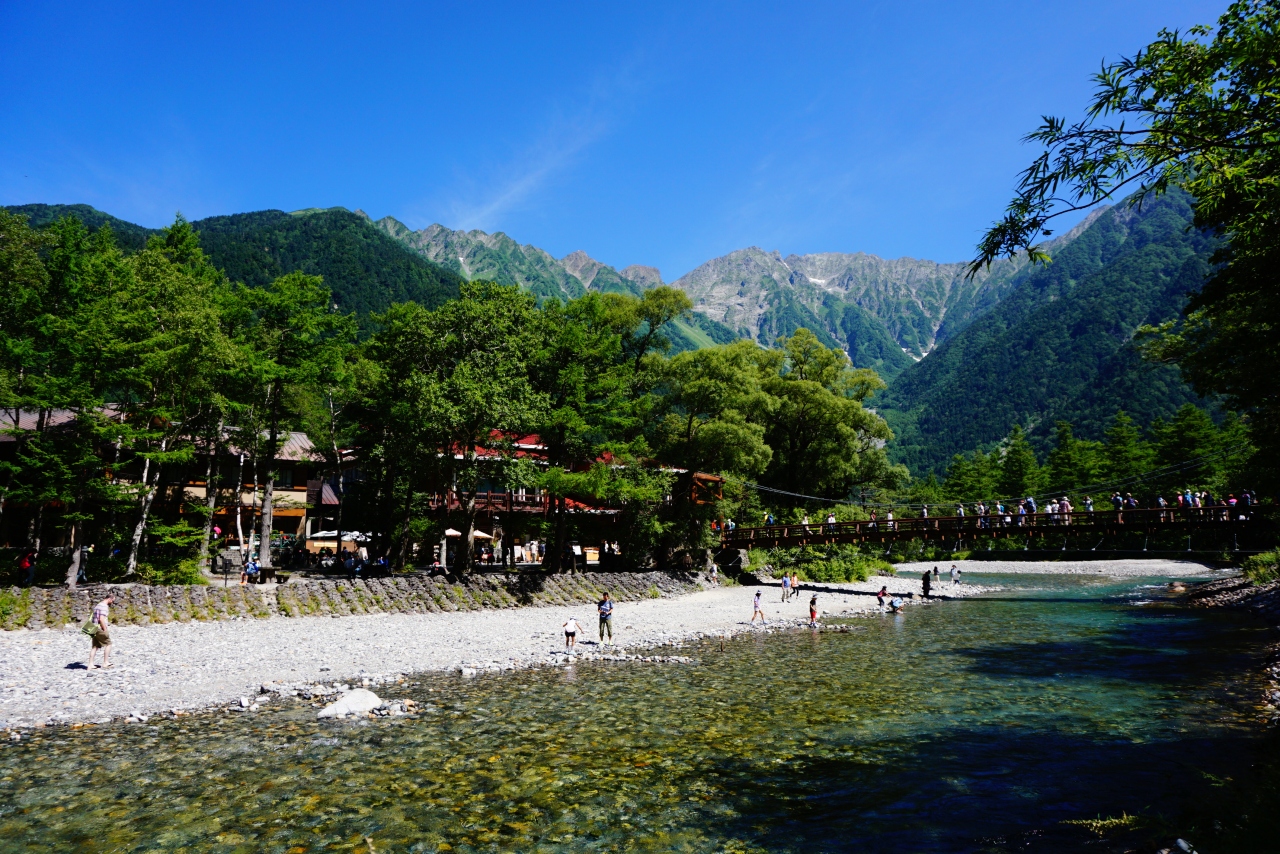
(1103, 523)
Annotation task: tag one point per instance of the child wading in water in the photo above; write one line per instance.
(813, 612)
(571, 629)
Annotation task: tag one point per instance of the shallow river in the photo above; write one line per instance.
(979, 725)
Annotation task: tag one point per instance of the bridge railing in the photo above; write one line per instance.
(1008, 522)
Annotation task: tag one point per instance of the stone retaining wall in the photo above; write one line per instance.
(139, 604)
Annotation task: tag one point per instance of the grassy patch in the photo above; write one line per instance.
(1263, 567)
(159, 572)
(1103, 826)
(15, 609)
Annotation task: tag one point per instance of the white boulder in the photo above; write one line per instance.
(355, 702)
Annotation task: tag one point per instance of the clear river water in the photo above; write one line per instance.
(992, 724)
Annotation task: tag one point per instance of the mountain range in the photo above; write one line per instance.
(965, 358)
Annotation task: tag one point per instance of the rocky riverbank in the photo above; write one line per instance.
(176, 667)
(1261, 599)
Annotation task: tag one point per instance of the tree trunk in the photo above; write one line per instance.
(73, 569)
(337, 460)
(148, 495)
(35, 532)
(402, 553)
(467, 545)
(210, 499)
(240, 505)
(560, 533)
(268, 490)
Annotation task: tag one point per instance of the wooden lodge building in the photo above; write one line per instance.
(305, 495)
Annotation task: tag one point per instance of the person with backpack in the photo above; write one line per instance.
(27, 565)
(97, 629)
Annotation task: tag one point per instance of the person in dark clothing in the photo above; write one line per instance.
(926, 580)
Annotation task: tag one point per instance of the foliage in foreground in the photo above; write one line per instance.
(832, 564)
(1196, 111)
(1262, 568)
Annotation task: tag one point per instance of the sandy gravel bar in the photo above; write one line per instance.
(1112, 568)
(191, 665)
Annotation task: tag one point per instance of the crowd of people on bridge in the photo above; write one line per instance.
(1027, 512)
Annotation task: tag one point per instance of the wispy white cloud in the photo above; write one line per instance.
(484, 196)
(556, 151)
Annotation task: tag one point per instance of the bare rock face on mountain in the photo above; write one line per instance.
(647, 277)
(918, 302)
(495, 257)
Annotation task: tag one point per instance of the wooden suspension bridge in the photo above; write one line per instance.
(1101, 523)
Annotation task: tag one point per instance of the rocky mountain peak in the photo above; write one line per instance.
(645, 277)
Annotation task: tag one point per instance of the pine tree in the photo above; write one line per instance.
(1019, 473)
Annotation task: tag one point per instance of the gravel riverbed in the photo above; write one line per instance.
(194, 665)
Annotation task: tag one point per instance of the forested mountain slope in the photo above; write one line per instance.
(496, 257)
(129, 237)
(1058, 346)
(365, 269)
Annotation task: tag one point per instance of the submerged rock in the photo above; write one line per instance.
(355, 702)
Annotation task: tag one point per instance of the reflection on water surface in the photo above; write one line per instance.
(965, 726)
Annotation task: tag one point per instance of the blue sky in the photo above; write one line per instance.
(662, 134)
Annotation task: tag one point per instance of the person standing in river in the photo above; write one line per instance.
(813, 611)
(571, 629)
(605, 607)
(955, 575)
(101, 638)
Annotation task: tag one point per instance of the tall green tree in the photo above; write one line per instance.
(293, 327)
(1194, 453)
(1020, 474)
(824, 440)
(712, 407)
(640, 321)
(580, 367)
(463, 393)
(1198, 111)
(972, 478)
(1127, 455)
(170, 350)
(1073, 463)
